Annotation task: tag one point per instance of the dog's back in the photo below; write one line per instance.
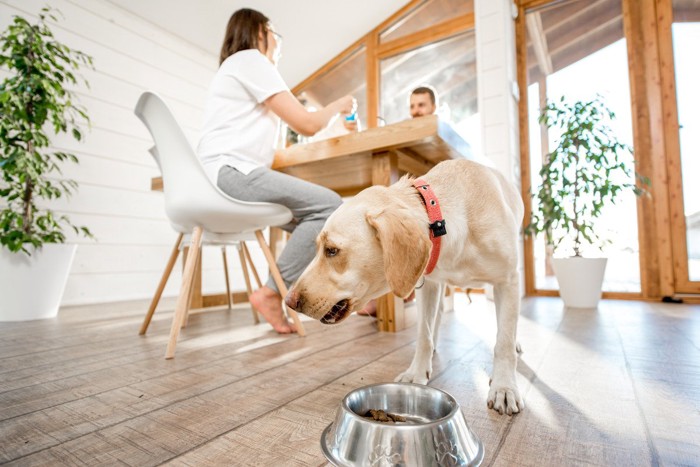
(483, 213)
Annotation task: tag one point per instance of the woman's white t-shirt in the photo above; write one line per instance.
(239, 129)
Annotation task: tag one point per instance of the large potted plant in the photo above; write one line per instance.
(588, 170)
(35, 102)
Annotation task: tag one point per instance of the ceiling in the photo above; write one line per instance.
(563, 33)
(314, 31)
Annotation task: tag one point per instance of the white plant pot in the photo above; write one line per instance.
(31, 287)
(580, 280)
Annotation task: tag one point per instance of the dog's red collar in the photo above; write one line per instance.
(437, 223)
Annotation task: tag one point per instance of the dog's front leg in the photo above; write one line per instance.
(427, 301)
(504, 395)
(438, 316)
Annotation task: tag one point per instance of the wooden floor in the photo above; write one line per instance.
(619, 386)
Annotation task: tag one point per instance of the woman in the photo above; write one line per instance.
(245, 102)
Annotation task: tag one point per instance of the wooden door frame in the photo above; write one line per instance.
(664, 17)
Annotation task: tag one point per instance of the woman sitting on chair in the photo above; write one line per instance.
(245, 102)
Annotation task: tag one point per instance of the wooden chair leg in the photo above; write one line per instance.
(278, 280)
(252, 265)
(161, 286)
(196, 282)
(187, 281)
(197, 277)
(228, 287)
(248, 288)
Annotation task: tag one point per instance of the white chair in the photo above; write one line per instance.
(197, 208)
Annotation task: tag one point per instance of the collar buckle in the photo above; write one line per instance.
(438, 228)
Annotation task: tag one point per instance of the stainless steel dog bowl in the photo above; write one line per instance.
(434, 433)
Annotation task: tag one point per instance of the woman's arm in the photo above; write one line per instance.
(306, 123)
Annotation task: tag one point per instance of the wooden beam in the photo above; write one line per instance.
(531, 4)
(656, 257)
(525, 173)
(435, 33)
(539, 42)
(569, 14)
(593, 24)
(372, 71)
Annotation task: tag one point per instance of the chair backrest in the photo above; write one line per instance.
(190, 197)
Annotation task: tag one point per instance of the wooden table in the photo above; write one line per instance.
(350, 163)
(379, 156)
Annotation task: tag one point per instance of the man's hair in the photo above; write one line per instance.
(242, 32)
(426, 90)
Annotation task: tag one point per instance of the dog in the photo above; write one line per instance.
(380, 241)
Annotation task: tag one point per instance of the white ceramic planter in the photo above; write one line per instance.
(31, 287)
(580, 280)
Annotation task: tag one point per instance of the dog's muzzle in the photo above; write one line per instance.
(339, 312)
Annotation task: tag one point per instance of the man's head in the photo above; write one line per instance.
(423, 101)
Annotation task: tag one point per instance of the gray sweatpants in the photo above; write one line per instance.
(310, 205)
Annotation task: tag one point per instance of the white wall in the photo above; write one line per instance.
(497, 73)
(497, 91)
(114, 200)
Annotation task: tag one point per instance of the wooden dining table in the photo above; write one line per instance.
(350, 163)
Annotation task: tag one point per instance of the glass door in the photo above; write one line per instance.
(684, 154)
(569, 42)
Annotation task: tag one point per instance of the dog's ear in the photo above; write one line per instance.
(405, 247)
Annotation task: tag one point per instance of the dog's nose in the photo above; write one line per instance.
(292, 299)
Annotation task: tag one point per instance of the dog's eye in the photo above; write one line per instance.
(330, 252)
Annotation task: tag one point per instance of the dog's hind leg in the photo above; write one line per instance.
(427, 301)
(504, 395)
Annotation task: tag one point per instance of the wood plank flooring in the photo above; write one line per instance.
(617, 386)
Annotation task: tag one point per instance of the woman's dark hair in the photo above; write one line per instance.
(242, 32)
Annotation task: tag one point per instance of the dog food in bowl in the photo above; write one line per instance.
(431, 431)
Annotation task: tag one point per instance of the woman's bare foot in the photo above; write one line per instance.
(269, 304)
(369, 310)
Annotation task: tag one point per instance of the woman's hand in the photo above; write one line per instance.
(351, 125)
(346, 105)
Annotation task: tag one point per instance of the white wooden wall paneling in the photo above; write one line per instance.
(120, 52)
(134, 237)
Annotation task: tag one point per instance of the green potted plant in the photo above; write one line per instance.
(588, 170)
(35, 101)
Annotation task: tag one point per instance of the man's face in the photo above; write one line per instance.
(421, 105)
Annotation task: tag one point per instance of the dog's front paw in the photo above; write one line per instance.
(410, 376)
(505, 399)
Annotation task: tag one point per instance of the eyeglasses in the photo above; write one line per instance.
(277, 35)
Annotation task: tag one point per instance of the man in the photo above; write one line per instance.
(423, 101)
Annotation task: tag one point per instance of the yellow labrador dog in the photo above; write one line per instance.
(379, 241)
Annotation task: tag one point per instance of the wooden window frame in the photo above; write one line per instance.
(376, 51)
